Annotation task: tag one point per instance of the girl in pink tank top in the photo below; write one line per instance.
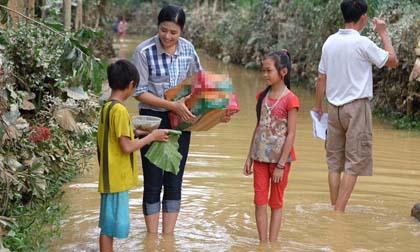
(271, 148)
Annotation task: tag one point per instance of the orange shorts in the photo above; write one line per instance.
(262, 181)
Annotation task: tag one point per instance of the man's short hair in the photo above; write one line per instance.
(353, 9)
(121, 73)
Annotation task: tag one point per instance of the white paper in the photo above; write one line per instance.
(319, 125)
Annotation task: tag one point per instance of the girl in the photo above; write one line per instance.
(271, 149)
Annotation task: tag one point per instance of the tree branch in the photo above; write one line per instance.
(33, 20)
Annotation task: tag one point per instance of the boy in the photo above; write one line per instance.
(118, 164)
(345, 74)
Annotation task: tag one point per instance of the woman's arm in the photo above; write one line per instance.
(141, 94)
(178, 107)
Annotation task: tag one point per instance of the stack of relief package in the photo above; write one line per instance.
(208, 96)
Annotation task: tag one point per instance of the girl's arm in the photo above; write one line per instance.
(290, 139)
(128, 146)
(248, 162)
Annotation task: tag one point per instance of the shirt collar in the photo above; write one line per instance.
(161, 50)
(348, 32)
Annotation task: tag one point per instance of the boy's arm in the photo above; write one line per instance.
(320, 93)
(380, 28)
(128, 146)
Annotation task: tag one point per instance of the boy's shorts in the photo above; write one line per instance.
(114, 219)
(263, 173)
(349, 138)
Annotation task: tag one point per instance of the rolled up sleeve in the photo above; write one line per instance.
(195, 65)
(322, 67)
(140, 61)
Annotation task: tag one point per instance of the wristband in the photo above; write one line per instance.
(280, 166)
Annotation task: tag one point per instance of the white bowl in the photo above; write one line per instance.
(146, 123)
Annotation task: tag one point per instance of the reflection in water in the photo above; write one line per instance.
(217, 205)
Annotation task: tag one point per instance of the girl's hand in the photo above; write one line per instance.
(248, 167)
(181, 109)
(277, 175)
(159, 135)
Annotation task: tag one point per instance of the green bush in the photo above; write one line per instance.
(245, 34)
(39, 151)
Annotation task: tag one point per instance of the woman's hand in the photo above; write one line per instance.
(159, 135)
(228, 115)
(277, 175)
(182, 110)
(248, 166)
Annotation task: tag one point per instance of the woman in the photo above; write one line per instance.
(163, 61)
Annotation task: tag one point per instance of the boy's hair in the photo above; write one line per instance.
(121, 73)
(172, 13)
(353, 9)
(281, 60)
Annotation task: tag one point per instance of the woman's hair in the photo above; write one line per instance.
(172, 13)
(281, 60)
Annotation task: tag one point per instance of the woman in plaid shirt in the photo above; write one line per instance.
(163, 61)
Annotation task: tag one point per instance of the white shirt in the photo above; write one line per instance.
(347, 59)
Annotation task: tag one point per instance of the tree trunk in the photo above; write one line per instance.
(30, 11)
(197, 4)
(206, 7)
(154, 10)
(78, 23)
(67, 14)
(19, 6)
(102, 13)
(214, 7)
(43, 10)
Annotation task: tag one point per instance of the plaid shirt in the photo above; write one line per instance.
(160, 71)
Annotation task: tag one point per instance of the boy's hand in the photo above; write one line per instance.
(277, 175)
(139, 132)
(248, 167)
(159, 135)
(379, 25)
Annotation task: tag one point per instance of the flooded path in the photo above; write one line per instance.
(217, 205)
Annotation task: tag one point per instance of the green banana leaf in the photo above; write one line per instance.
(165, 155)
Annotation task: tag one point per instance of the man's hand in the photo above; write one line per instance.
(319, 112)
(379, 25)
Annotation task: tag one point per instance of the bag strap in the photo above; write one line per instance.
(105, 146)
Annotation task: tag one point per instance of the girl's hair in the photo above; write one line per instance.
(281, 60)
(172, 13)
